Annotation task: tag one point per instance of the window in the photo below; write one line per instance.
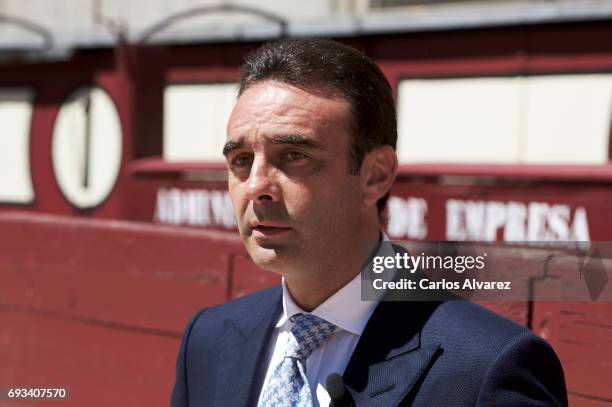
(552, 119)
(195, 116)
(15, 116)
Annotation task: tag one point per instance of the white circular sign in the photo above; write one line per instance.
(86, 147)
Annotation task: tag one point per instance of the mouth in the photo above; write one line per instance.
(267, 230)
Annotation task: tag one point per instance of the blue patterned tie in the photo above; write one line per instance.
(288, 385)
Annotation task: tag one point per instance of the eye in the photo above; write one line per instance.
(242, 160)
(295, 155)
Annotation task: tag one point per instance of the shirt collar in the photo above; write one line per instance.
(344, 308)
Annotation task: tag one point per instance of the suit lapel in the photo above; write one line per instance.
(390, 359)
(243, 342)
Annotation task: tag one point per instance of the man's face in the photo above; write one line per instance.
(296, 205)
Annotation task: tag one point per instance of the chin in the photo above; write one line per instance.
(273, 259)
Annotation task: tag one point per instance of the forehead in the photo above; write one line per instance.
(274, 107)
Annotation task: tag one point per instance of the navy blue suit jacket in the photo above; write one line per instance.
(451, 353)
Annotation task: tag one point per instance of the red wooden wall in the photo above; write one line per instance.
(99, 307)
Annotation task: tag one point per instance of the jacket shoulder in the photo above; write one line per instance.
(470, 332)
(238, 309)
(467, 318)
(487, 360)
(472, 336)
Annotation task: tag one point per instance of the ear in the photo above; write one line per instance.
(378, 173)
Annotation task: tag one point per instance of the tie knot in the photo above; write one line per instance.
(307, 334)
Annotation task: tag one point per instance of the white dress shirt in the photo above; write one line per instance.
(343, 309)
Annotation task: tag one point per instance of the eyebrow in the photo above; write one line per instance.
(231, 146)
(296, 140)
(292, 139)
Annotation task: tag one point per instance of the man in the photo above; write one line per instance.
(311, 156)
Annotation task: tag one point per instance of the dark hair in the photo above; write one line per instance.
(338, 70)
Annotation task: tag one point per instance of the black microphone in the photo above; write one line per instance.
(339, 394)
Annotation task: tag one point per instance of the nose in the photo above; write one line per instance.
(261, 184)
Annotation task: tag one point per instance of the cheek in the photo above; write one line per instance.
(348, 200)
(236, 191)
(299, 200)
(325, 202)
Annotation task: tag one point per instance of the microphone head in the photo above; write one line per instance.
(336, 389)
